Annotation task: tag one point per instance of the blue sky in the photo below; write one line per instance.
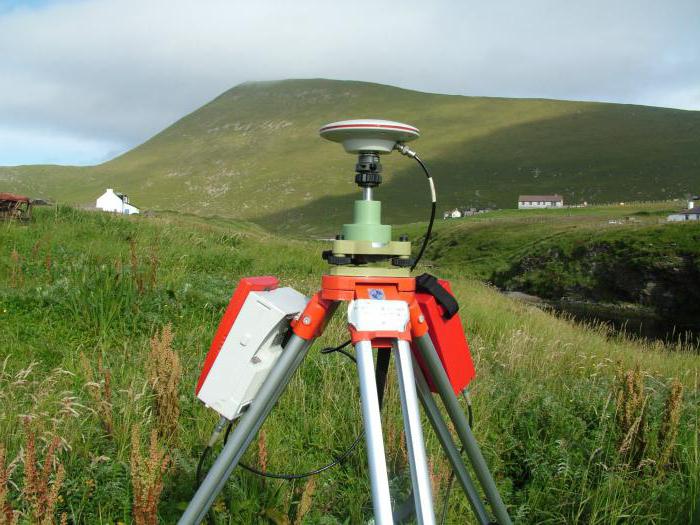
(84, 80)
(10, 5)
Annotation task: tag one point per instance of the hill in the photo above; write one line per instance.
(254, 153)
(624, 264)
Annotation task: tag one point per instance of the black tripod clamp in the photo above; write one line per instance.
(429, 284)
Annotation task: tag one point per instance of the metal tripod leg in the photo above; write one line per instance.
(379, 479)
(417, 459)
(453, 455)
(454, 410)
(239, 440)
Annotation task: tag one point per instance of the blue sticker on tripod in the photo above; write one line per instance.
(376, 293)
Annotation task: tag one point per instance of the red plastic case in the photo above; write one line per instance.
(449, 340)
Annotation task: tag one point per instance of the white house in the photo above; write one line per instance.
(115, 202)
(455, 214)
(527, 202)
(691, 214)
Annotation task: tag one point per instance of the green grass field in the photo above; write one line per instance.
(491, 242)
(82, 294)
(254, 153)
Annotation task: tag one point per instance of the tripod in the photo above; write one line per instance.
(385, 313)
(390, 324)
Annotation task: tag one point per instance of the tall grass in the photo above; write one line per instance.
(78, 361)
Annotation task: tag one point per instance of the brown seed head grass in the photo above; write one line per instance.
(439, 473)
(668, 431)
(136, 274)
(39, 492)
(100, 392)
(164, 374)
(153, 263)
(631, 405)
(147, 474)
(17, 275)
(262, 451)
(306, 501)
(7, 513)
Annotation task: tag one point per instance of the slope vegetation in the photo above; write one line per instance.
(254, 153)
(83, 294)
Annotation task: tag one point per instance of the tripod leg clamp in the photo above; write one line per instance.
(312, 321)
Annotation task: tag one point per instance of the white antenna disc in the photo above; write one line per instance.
(369, 135)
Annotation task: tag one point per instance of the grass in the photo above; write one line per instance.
(254, 153)
(488, 243)
(624, 262)
(84, 298)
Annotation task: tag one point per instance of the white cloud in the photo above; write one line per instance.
(113, 72)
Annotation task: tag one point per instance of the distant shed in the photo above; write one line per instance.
(527, 202)
(685, 215)
(13, 206)
(115, 202)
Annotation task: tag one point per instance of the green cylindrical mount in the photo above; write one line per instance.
(367, 226)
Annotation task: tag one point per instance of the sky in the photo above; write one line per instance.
(82, 81)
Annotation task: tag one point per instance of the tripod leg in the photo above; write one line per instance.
(381, 500)
(454, 410)
(453, 455)
(270, 391)
(420, 478)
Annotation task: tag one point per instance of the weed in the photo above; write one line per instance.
(147, 472)
(306, 500)
(631, 404)
(164, 373)
(153, 263)
(668, 431)
(262, 451)
(17, 274)
(39, 492)
(7, 514)
(135, 269)
(439, 472)
(47, 266)
(100, 392)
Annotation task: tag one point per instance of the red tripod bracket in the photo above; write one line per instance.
(313, 320)
(425, 316)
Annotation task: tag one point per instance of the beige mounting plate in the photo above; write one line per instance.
(369, 271)
(392, 249)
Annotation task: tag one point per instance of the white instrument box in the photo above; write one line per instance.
(237, 369)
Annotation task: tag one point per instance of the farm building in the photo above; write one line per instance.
(527, 202)
(452, 214)
(115, 202)
(15, 206)
(691, 214)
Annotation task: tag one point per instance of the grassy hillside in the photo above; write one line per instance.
(254, 153)
(487, 244)
(572, 432)
(621, 263)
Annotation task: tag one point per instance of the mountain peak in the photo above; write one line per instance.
(254, 153)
